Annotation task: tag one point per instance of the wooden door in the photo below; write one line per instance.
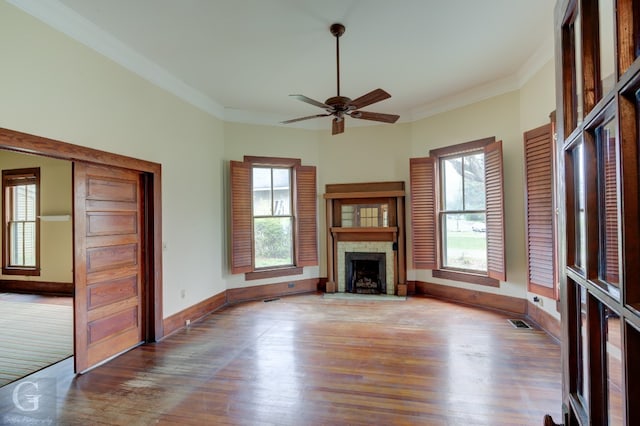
(108, 266)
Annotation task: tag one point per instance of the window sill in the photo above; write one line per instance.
(271, 273)
(466, 277)
(32, 272)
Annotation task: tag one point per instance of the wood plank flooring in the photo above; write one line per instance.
(306, 360)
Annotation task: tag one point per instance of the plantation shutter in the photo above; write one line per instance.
(496, 262)
(538, 153)
(610, 206)
(306, 213)
(423, 212)
(241, 218)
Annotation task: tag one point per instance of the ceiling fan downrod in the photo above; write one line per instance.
(337, 30)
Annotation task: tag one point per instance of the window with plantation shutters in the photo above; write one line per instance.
(538, 155)
(273, 217)
(457, 212)
(21, 232)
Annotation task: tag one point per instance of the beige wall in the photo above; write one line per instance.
(499, 117)
(55, 87)
(52, 86)
(56, 245)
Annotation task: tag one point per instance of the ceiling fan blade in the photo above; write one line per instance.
(375, 116)
(313, 102)
(338, 126)
(304, 118)
(369, 98)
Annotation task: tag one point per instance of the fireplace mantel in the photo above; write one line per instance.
(385, 199)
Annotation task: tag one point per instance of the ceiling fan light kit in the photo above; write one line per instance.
(341, 106)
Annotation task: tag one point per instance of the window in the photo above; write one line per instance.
(21, 193)
(457, 212)
(462, 212)
(273, 217)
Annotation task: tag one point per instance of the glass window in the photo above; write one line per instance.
(272, 218)
(609, 269)
(615, 392)
(580, 207)
(21, 204)
(463, 213)
(607, 56)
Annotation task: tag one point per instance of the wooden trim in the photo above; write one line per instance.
(371, 194)
(30, 144)
(272, 273)
(245, 294)
(544, 320)
(460, 148)
(194, 313)
(37, 287)
(465, 277)
(472, 297)
(372, 230)
(272, 161)
(368, 187)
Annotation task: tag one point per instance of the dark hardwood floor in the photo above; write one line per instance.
(305, 360)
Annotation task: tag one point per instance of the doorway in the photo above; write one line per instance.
(98, 197)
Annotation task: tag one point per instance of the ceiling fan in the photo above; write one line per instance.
(341, 106)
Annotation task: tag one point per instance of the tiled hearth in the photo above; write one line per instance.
(365, 247)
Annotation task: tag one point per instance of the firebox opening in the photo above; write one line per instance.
(365, 273)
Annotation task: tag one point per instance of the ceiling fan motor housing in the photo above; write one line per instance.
(338, 103)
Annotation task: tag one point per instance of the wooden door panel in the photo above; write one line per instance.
(108, 255)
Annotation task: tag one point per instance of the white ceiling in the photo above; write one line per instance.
(240, 59)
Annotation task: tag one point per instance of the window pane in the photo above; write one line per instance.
(347, 215)
(262, 204)
(615, 392)
(583, 348)
(607, 58)
(273, 241)
(282, 192)
(452, 184)
(474, 192)
(464, 241)
(577, 32)
(608, 203)
(580, 206)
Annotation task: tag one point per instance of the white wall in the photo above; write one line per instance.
(55, 87)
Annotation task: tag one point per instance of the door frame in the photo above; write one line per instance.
(152, 254)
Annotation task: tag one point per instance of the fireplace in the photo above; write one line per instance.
(365, 273)
(366, 220)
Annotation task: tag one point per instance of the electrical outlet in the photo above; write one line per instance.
(187, 323)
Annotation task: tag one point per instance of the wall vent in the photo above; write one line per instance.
(518, 323)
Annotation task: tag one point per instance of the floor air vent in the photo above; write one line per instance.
(516, 323)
